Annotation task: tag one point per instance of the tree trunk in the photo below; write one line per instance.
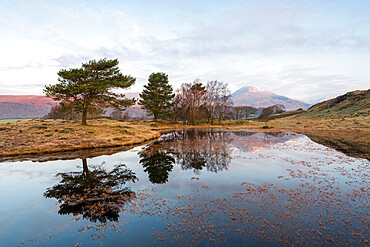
(84, 116)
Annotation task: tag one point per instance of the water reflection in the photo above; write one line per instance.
(275, 188)
(252, 142)
(93, 193)
(204, 149)
(198, 149)
(192, 149)
(157, 164)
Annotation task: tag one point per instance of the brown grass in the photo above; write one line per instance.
(50, 136)
(349, 135)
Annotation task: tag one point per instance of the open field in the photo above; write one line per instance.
(349, 135)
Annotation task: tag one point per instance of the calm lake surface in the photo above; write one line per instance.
(191, 188)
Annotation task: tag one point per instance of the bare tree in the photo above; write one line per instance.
(190, 101)
(213, 97)
(223, 108)
(179, 107)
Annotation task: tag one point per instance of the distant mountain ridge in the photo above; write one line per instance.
(34, 106)
(25, 106)
(257, 97)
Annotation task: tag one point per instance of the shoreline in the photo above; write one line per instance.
(57, 138)
(43, 137)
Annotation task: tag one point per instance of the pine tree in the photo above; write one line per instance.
(157, 96)
(90, 87)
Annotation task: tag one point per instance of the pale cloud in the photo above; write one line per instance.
(298, 49)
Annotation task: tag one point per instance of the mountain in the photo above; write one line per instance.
(256, 97)
(351, 104)
(34, 106)
(24, 106)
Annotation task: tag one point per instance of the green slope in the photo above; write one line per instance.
(351, 104)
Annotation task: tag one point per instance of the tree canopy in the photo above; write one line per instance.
(157, 96)
(91, 87)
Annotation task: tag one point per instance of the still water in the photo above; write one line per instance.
(191, 188)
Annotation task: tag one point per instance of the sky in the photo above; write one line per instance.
(304, 49)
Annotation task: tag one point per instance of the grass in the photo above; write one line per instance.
(9, 120)
(350, 105)
(49, 136)
(349, 135)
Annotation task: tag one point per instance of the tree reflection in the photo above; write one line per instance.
(193, 149)
(96, 195)
(200, 149)
(157, 164)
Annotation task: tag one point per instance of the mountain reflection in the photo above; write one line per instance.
(93, 193)
(252, 142)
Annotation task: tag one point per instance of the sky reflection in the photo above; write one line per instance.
(201, 169)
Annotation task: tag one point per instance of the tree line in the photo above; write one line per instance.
(88, 91)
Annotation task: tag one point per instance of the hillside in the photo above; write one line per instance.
(351, 104)
(256, 97)
(34, 106)
(24, 106)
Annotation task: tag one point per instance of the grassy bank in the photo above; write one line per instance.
(50, 136)
(349, 135)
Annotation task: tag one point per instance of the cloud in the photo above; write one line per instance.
(68, 60)
(290, 47)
